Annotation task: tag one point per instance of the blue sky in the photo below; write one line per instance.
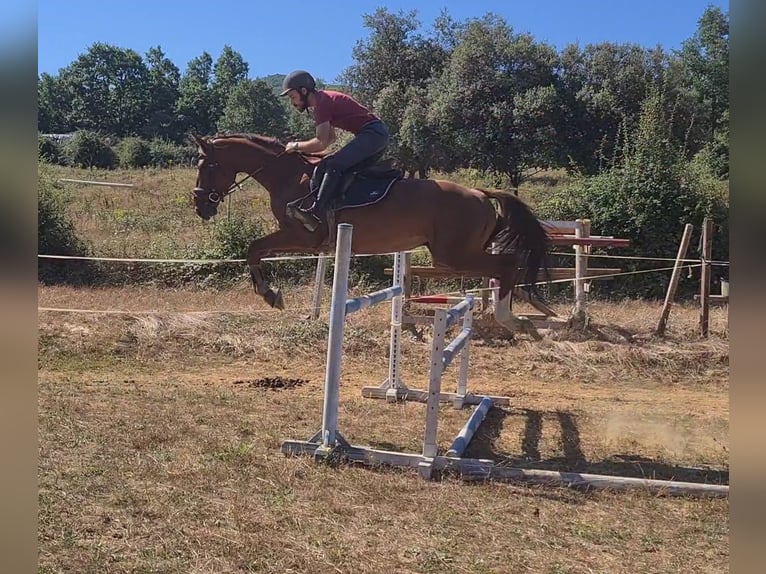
(276, 36)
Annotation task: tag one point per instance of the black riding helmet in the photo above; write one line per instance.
(297, 80)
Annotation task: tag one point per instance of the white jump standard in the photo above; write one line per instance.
(329, 441)
(329, 444)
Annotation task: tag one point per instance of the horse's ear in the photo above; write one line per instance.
(203, 145)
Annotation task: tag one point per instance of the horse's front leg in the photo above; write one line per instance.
(278, 242)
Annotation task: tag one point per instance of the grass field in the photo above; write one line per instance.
(159, 435)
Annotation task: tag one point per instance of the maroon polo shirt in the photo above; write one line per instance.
(341, 111)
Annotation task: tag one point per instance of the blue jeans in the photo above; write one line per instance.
(372, 140)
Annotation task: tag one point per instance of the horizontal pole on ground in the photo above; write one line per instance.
(483, 469)
(422, 396)
(465, 435)
(103, 183)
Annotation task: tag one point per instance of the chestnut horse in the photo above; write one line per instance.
(458, 225)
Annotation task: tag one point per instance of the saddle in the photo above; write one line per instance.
(363, 184)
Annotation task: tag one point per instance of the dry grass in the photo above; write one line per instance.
(154, 218)
(152, 459)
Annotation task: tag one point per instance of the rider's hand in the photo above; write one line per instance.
(291, 147)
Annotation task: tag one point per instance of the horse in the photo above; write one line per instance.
(490, 233)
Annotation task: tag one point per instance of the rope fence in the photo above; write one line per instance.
(477, 291)
(299, 257)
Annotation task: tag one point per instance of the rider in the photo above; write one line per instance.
(332, 109)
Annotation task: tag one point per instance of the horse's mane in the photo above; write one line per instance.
(269, 143)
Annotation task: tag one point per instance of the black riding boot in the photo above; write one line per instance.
(311, 216)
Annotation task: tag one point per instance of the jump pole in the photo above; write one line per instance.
(329, 432)
(469, 429)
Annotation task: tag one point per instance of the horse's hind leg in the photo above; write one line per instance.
(501, 266)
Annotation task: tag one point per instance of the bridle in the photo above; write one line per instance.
(213, 196)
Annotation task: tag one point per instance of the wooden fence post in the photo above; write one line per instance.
(682, 249)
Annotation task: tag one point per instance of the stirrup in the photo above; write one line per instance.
(309, 220)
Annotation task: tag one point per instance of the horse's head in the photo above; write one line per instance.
(214, 180)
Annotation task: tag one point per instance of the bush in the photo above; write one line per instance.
(647, 198)
(88, 149)
(133, 152)
(56, 236)
(48, 150)
(163, 153)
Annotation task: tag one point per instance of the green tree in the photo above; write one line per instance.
(56, 235)
(415, 144)
(601, 88)
(252, 107)
(53, 107)
(164, 77)
(196, 102)
(89, 149)
(704, 64)
(229, 70)
(393, 52)
(490, 98)
(107, 90)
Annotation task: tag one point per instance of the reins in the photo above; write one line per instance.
(215, 197)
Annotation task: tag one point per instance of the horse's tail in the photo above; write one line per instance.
(518, 231)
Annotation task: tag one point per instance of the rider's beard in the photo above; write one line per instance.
(300, 106)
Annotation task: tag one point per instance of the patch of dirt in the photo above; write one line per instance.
(273, 383)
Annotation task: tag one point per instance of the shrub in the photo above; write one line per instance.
(164, 153)
(56, 235)
(647, 198)
(48, 150)
(88, 149)
(133, 152)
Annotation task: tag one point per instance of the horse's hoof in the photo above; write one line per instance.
(274, 299)
(528, 327)
(279, 302)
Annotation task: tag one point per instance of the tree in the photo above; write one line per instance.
(53, 108)
(601, 90)
(392, 53)
(107, 89)
(648, 197)
(164, 77)
(704, 65)
(229, 70)
(392, 70)
(490, 98)
(416, 144)
(252, 107)
(196, 101)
